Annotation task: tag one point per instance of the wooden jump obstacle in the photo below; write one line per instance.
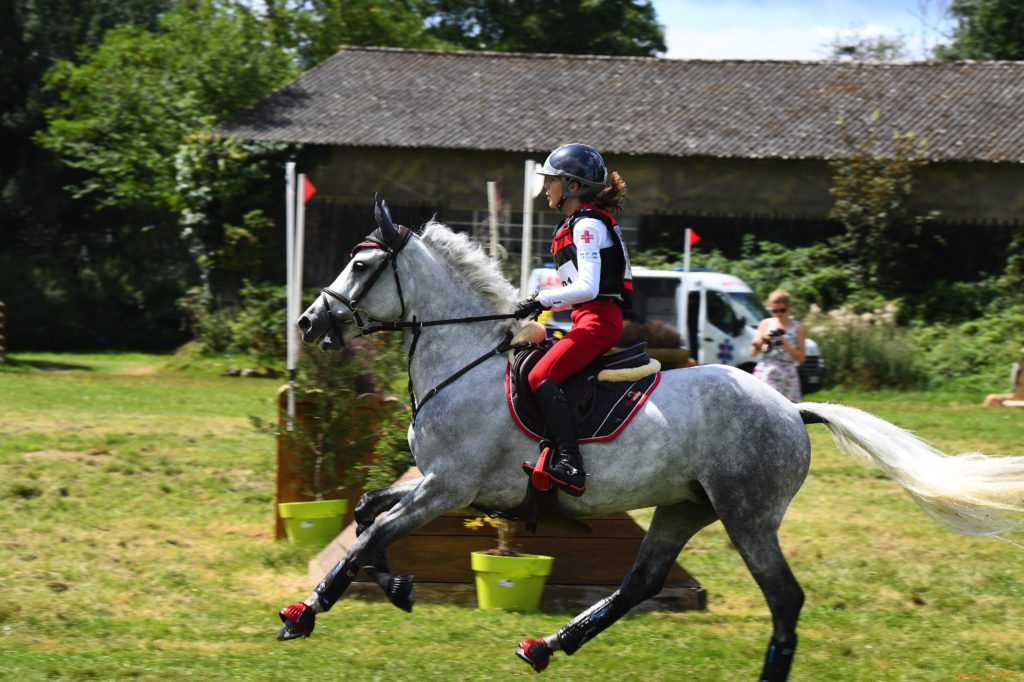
(1015, 399)
(587, 567)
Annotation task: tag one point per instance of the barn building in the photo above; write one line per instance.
(725, 147)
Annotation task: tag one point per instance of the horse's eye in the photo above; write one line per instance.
(358, 266)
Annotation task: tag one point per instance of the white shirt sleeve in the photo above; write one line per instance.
(590, 236)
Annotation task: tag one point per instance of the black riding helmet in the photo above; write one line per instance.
(578, 162)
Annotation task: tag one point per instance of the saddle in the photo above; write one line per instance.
(603, 398)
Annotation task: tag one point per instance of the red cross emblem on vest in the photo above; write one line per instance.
(587, 237)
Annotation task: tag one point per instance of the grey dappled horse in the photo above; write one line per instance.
(711, 443)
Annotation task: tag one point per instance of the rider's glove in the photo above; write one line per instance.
(528, 307)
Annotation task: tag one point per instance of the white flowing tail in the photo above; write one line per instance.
(970, 493)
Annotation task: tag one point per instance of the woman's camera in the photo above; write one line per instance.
(772, 339)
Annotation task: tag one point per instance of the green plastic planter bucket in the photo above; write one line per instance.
(512, 583)
(312, 524)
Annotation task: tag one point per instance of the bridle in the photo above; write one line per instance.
(392, 239)
(391, 249)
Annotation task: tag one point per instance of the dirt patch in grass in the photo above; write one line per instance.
(137, 370)
(72, 455)
(56, 424)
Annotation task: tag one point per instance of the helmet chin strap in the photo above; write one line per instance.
(566, 192)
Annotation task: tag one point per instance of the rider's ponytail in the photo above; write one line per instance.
(611, 197)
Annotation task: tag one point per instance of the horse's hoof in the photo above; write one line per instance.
(536, 652)
(299, 620)
(402, 591)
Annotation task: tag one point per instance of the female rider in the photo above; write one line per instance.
(593, 265)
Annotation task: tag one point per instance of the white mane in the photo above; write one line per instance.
(471, 262)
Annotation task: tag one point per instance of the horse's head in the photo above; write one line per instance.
(357, 302)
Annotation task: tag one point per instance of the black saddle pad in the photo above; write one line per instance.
(600, 409)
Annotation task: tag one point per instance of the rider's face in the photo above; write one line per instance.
(552, 190)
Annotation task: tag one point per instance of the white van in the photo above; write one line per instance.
(721, 315)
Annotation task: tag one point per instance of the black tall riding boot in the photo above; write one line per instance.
(567, 467)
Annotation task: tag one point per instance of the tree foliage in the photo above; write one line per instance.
(104, 230)
(607, 27)
(986, 29)
(857, 47)
(871, 190)
(35, 34)
(119, 113)
(128, 107)
(224, 190)
(319, 27)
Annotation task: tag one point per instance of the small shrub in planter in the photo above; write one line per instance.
(345, 435)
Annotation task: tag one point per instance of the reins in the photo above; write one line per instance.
(503, 347)
(417, 328)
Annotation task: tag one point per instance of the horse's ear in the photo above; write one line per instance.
(383, 216)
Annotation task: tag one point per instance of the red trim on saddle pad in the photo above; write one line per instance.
(512, 409)
(597, 439)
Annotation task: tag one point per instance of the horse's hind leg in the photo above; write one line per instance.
(760, 549)
(399, 589)
(670, 528)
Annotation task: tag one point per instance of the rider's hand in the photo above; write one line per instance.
(528, 307)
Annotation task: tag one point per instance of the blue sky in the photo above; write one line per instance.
(792, 29)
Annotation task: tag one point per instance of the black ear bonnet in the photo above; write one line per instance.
(388, 236)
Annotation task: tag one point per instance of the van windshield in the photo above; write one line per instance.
(748, 306)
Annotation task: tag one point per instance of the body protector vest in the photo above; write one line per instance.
(616, 279)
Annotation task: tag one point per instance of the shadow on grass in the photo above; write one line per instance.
(44, 365)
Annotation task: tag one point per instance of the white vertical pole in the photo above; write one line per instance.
(527, 250)
(686, 292)
(289, 212)
(300, 240)
(492, 210)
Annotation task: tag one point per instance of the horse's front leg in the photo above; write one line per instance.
(431, 498)
(399, 589)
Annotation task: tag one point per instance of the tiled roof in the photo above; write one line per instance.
(377, 97)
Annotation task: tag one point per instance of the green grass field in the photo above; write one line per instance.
(137, 544)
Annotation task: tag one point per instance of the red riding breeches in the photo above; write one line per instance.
(596, 327)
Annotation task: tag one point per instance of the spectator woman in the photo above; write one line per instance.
(780, 343)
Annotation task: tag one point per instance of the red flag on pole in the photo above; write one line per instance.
(694, 237)
(308, 190)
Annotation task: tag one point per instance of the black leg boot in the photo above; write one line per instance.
(566, 468)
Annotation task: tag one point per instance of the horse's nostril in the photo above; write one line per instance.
(305, 324)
